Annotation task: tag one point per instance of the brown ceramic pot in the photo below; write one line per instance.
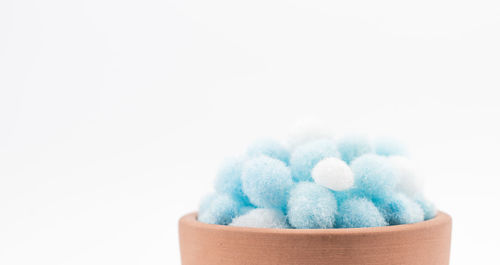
(424, 243)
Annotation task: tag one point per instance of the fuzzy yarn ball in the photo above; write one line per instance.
(306, 156)
(228, 179)
(373, 175)
(359, 212)
(219, 209)
(261, 218)
(311, 206)
(269, 148)
(352, 147)
(399, 209)
(267, 182)
(333, 173)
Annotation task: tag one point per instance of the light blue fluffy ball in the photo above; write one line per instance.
(389, 147)
(267, 182)
(343, 195)
(228, 179)
(219, 209)
(311, 206)
(305, 157)
(359, 212)
(373, 175)
(269, 148)
(398, 209)
(428, 207)
(353, 146)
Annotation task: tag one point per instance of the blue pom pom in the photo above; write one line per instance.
(428, 207)
(311, 206)
(306, 156)
(269, 148)
(267, 182)
(219, 209)
(343, 195)
(389, 147)
(373, 175)
(351, 147)
(399, 209)
(359, 212)
(228, 178)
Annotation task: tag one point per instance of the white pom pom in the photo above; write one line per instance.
(333, 173)
(307, 130)
(261, 218)
(404, 170)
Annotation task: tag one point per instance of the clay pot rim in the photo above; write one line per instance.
(440, 219)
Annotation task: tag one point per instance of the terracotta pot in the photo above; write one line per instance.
(424, 243)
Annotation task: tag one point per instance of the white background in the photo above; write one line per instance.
(114, 115)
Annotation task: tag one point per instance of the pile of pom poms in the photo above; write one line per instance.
(318, 183)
